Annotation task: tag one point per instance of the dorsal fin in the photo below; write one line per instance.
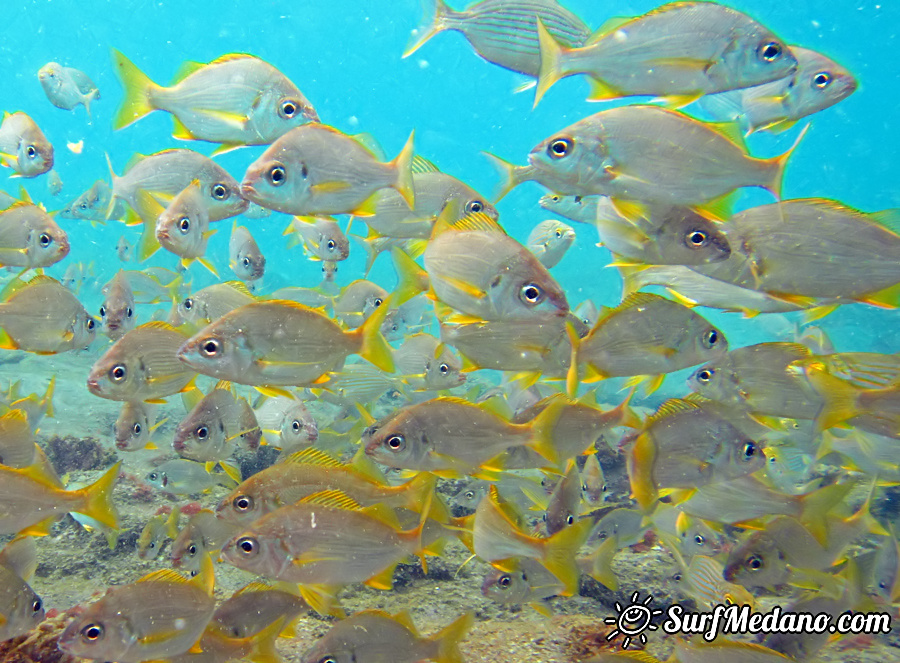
(16, 415)
(888, 218)
(256, 586)
(371, 144)
(164, 575)
(730, 130)
(312, 456)
(478, 221)
(335, 499)
(231, 57)
(241, 287)
(185, 69)
(610, 25)
(633, 300)
(405, 619)
(159, 324)
(384, 514)
(671, 407)
(422, 165)
(504, 507)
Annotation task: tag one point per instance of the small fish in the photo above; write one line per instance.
(549, 241)
(886, 571)
(593, 483)
(357, 301)
(322, 238)
(202, 535)
(649, 335)
(679, 52)
(181, 228)
(30, 238)
(186, 477)
(211, 430)
(135, 426)
(377, 637)
(35, 406)
(504, 32)
(315, 169)
(286, 423)
(528, 582)
(142, 365)
(16, 440)
(153, 535)
(43, 316)
(54, 183)
(67, 87)
(34, 498)
(244, 255)
(117, 310)
(564, 506)
(253, 104)
(427, 364)
(498, 536)
(162, 614)
(818, 83)
(582, 209)
(211, 303)
(23, 146)
(21, 609)
(264, 355)
(688, 444)
(165, 174)
(94, 205)
(704, 582)
(726, 650)
(477, 269)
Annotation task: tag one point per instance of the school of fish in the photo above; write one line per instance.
(458, 407)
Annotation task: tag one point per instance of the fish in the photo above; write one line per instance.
(212, 429)
(477, 269)
(67, 87)
(704, 582)
(237, 99)
(35, 406)
(33, 498)
(94, 205)
(818, 84)
(886, 569)
(30, 238)
(678, 52)
(788, 250)
(181, 228)
(581, 209)
(186, 477)
(286, 423)
(497, 536)
(504, 32)
(315, 169)
(378, 637)
(154, 534)
(322, 238)
(549, 241)
(23, 146)
(357, 301)
(54, 183)
(529, 582)
(244, 255)
(117, 310)
(687, 444)
(202, 535)
(427, 364)
(21, 609)
(723, 649)
(163, 614)
(249, 345)
(142, 366)
(165, 174)
(640, 155)
(648, 335)
(17, 443)
(564, 507)
(135, 426)
(211, 303)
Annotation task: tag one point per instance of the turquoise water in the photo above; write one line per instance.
(345, 57)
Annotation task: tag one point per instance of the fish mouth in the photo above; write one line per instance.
(179, 446)
(121, 445)
(93, 386)
(248, 192)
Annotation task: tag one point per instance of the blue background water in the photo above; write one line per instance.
(346, 58)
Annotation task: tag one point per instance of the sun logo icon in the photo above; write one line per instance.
(633, 620)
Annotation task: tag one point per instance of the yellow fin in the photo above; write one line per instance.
(383, 580)
(332, 498)
(137, 91)
(312, 456)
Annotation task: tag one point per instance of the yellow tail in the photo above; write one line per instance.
(432, 23)
(137, 86)
(98, 498)
(373, 347)
(403, 163)
(560, 551)
(447, 639)
(778, 165)
(411, 279)
(551, 62)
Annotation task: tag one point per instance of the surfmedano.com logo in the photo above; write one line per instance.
(636, 618)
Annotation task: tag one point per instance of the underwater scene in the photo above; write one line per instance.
(537, 331)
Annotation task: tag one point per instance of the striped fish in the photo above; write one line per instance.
(504, 31)
(704, 581)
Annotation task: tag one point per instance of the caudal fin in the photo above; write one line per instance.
(509, 173)
(560, 551)
(432, 22)
(373, 347)
(403, 163)
(411, 279)
(779, 163)
(98, 499)
(137, 91)
(551, 62)
(447, 639)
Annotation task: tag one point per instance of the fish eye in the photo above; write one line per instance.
(91, 324)
(555, 199)
(242, 502)
(102, 311)
(711, 338)
(328, 659)
(37, 605)
(531, 294)
(396, 443)
(749, 450)
(82, 206)
(504, 581)
(210, 347)
(118, 372)
(771, 51)
(444, 369)
(219, 192)
(30, 152)
(247, 545)
(276, 175)
(378, 302)
(754, 562)
(475, 206)
(136, 429)
(288, 109)
(559, 147)
(699, 539)
(45, 240)
(188, 304)
(153, 476)
(677, 577)
(470, 494)
(192, 550)
(295, 426)
(92, 632)
(822, 80)
(697, 238)
(569, 519)
(184, 225)
(304, 171)
(705, 375)
(245, 262)
(202, 433)
(331, 245)
(128, 312)
(559, 233)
